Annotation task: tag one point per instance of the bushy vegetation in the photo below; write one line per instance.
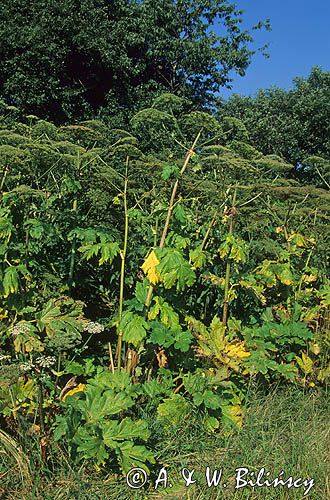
(291, 123)
(270, 438)
(149, 277)
(164, 254)
(107, 57)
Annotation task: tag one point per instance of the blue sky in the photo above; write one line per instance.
(299, 40)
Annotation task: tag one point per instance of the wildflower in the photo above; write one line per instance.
(45, 361)
(94, 327)
(26, 367)
(20, 328)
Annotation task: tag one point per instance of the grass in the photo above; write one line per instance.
(286, 430)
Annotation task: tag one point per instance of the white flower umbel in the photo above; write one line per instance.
(94, 327)
(45, 361)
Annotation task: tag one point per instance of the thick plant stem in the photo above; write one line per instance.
(228, 265)
(170, 208)
(74, 242)
(122, 272)
(209, 228)
(112, 366)
(288, 245)
(73, 250)
(227, 279)
(41, 410)
(309, 256)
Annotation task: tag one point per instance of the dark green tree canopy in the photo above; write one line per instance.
(69, 59)
(294, 124)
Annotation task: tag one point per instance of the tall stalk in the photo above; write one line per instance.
(228, 265)
(309, 256)
(170, 208)
(74, 242)
(209, 229)
(122, 270)
(73, 249)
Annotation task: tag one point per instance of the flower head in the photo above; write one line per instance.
(94, 327)
(45, 361)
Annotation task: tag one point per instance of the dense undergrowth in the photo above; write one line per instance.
(285, 430)
(149, 277)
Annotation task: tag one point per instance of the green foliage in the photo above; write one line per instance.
(140, 276)
(273, 346)
(133, 327)
(166, 337)
(174, 409)
(293, 124)
(174, 269)
(110, 57)
(92, 432)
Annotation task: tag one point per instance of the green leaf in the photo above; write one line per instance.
(90, 250)
(198, 257)
(62, 316)
(166, 337)
(267, 315)
(108, 252)
(259, 363)
(90, 445)
(232, 416)
(284, 273)
(180, 213)
(134, 328)
(152, 388)
(131, 455)
(126, 429)
(98, 404)
(183, 341)
(211, 423)
(161, 334)
(287, 371)
(10, 281)
(174, 409)
(167, 314)
(174, 269)
(141, 290)
(117, 381)
(27, 340)
(87, 367)
(208, 398)
(170, 171)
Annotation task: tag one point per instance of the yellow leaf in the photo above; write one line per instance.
(149, 268)
(305, 363)
(308, 278)
(278, 229)
(235, 414)
(237, 351)
(297, 239)
(315, 348)
(3, 313)
(78, 388)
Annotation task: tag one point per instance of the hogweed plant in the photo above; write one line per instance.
(147, 271)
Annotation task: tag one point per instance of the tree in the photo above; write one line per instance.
(294, 124)
(70, 59)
